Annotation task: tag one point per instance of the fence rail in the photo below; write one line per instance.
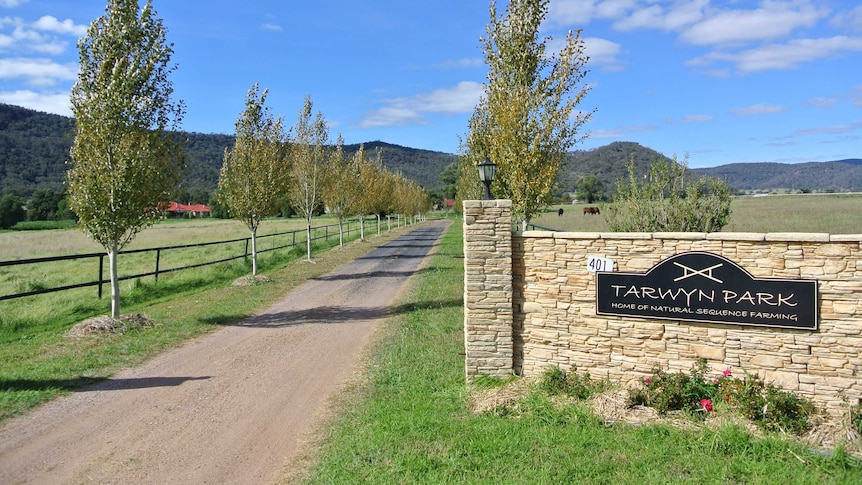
(317, 233)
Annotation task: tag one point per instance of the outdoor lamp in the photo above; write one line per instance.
(486, 175)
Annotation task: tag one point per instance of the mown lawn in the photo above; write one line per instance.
(409, 421)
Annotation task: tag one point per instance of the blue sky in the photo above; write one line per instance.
(725, 81)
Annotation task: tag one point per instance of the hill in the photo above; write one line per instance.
(608, 163)
(34, 147)
(839, 176)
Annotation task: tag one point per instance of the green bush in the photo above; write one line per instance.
(663, 200)
(556, 381)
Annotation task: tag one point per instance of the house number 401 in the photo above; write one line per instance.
(595, 263)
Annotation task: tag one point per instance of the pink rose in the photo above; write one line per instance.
(726, 372)
(707, 405)
(647, 381)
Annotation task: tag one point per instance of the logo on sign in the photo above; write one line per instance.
(706, 287)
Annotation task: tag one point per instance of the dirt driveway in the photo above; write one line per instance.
(228, 407)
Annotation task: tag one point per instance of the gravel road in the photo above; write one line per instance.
(228, 407)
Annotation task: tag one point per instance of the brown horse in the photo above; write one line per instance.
(591, 211)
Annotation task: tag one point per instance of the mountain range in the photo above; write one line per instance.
(34, 147)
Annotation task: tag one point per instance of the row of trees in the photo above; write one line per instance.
(269, 165)
(127, 154)
(44, 205)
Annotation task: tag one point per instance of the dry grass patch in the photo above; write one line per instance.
(104, 324)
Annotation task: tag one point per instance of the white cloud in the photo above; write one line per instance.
(38, 72)
(851, 19)
(271, 27)
(822, 102)
(773, 20)
(51, 24)
(461, 98)
(782, 56)
(697, 119)
(829, 130)
(758, 109)
(57, 103)
(677, 16)
(601, 51)
(12, 3)
(570, 13)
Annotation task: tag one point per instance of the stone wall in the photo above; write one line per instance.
(488, 288)
(554, 320)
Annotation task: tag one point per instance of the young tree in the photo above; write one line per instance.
(526, 120)
(664, 201)
(254, 175)
(125, 161)
(308, 156)
(342, 186)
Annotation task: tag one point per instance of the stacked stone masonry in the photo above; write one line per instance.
(554, 320)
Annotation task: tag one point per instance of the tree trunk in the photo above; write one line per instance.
(308, 239)
(340, 233)
(115, 280)
(254, 252)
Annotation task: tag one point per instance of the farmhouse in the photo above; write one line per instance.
(182, 210)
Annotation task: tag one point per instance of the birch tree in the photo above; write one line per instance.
(254, 174)
(342, 186)
(308, 163)
(526, 120)
(125, 160)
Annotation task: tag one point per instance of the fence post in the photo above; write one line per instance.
(101, 272)
(158, 257)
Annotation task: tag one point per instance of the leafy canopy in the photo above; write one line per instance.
(526, 120)
(125, 160)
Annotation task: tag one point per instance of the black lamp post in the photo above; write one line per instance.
(486, 175)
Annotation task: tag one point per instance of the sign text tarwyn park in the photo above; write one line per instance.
(706, 287)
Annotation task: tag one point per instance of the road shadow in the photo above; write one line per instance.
(371, 274)
(337, 314)
(90, 384)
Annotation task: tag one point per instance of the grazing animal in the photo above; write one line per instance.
(560, 212)
(591, 211)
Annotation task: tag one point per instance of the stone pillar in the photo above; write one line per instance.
(488, 288)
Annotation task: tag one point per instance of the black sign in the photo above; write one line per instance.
(706, 287)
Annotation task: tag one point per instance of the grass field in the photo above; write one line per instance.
(824, 213)
(410, 421)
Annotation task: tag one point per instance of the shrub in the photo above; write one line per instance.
(666, 201)
(581, 386)
(768, 406)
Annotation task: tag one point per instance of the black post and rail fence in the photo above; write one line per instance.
(317, 233)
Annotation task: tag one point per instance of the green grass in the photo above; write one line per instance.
(37, 363)
(409, 421)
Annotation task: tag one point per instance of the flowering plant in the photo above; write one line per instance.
(768, 406)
